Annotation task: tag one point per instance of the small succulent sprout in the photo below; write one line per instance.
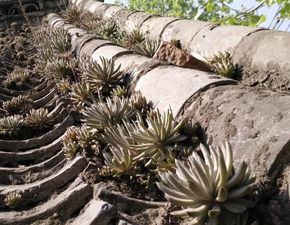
(85, 137)
(17, 79)
(176, 43)
(38, 118)
(78, 139)
(60, 69)
(208, 188)
(103, 76)
(11, 125)
(81, 94)
(222, 64)
(133, 38)
(155, 141)
(59, 40)
(139, 102)
(19, 104)
(70, 149)
(119, 92)
(109, 29)
(147, 47)
(12, 199)
(63, 86)
(110, 113)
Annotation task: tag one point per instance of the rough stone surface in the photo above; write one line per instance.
(41, 190)
(65, 204)
(97, 212)
(36, 155)
(109, 52)
(255, 122)
(13, 145)
(154, 26)
(184, 31)
(171, 86)
(212, 39)
(265, 58)
(176, 56)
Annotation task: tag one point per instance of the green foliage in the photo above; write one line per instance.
(208, 188)
(217, 11)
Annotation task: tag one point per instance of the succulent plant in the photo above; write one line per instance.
(70, 149)
(80, 139)
(147, 47)
(139, 102)
(81, 94)
(154, 142)
(19, 104)
(63, 86)
(109, 29)
(209, 189)
(120, 135)
(72, 14)
(105, 114)
(12, 199)
(103, 76)
(133, 38)
(60, 40)
(38, 118)
(60, 69)
(119, 92)
(11, 125)
(17, 79)
(120, 160)
(222, 64)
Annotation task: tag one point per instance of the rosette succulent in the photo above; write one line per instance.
(222, 64)
(209, 189)
(108, 113)
(38, 118)
(147, 47)
(103, 76)
(156, 139)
